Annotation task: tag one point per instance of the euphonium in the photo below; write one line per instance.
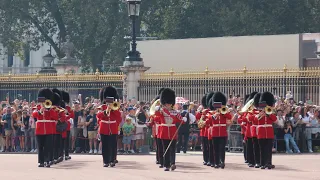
(268, 110)
(47, 104)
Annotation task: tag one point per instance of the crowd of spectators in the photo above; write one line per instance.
(297, 128)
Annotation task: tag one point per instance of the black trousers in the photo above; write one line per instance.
(244, 146)
(67, 144)
(205, 149)
(250, 153)
(211, 152)
(183, 139)
(44, 146)
(219, 145)
(159, 151)
(115, 149)
(170, 156)
(266, 146)
(108, 143)
(256, 148)
(57, 146)
(62, 147)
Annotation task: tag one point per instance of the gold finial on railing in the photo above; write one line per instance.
(171, 71)
(9, 73)
(285, 69)
(206, 70)
(97, 72)
(245, 69)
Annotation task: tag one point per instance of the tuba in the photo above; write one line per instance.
(153, 107)
(247, 107)
(47, 104)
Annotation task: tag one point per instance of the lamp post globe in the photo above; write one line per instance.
(133, 12)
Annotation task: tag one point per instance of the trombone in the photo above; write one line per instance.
(223, 110)
(47, 104)
(268, 110)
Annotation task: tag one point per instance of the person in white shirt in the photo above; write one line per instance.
(183, 134)
(306, 119)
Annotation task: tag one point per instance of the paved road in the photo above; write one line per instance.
(134, 167)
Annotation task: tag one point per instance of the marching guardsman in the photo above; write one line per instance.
(69, 115)
(167, 117)
(210, 135)
(243, 126)
(248, 135)
(219, 121)
(57, 138)
(251, 115)
(265, 134)
(44, 126)
(201, 117)
(155, 130)
(108, 121)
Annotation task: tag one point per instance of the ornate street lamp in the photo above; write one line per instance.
(133, 12)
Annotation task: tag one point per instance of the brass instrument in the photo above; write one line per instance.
(47, 104)
(113, 106)
(153, 107)
(201, 123)
(223, 110)
(268, 110)
(247, 107)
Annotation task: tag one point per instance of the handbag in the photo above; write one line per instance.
(61, 126)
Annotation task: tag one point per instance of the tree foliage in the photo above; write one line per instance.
(97, 27)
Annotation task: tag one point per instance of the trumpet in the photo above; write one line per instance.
(201, 123)
(268, 110)
(47, 104)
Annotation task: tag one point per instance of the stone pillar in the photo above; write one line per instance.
(133, 71)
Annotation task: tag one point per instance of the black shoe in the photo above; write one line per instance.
(41, 165)
(48, 165)
(212, 165)
(205, 163)
(222, 165)
(208, 164)
(216, 166)
(161, 166)
(67, 158)
(273, 166)
(257, 166)
(173, 167)
(184, 152)
(60, 159)
(178, 151)
(250, 165)
(263, 167)
(105, 165)
(166, 169)
(116, 161)
(112, 164)
(157, 162)
(246, 162)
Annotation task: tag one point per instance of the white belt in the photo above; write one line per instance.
(253, 125)
(44, 121)
(108, 122)
(216, 125)
(168, 125)
(243, 123)
(265, 125)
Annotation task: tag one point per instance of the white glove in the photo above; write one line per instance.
(157, 108)
(184, 119)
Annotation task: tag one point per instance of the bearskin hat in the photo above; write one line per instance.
(204, 102)
(209, 96)
(160, 90)
(251, 96)
(46, 93)
(210, 104)
(65, 97)
(219, 97)
(256, 99)
(168, 96)
(246, 98)
(267, 97)
(110, 91)
(55, 90)
(101, 94)
(56, 99)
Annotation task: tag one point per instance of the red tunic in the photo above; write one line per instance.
(154, 125)
(63, 119)
(204, 130)
(167, 123)
(264, 126)
(109, 125)
(242, 123)
(253, 123)
(45, 122)
(70, 115)
(219, 124)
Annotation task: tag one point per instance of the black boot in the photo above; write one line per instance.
(173, 167)
(222, 165)
(216, 166)
(41, 165)
(257, 166)
(205, 163)
(112, 164)
(47, 164)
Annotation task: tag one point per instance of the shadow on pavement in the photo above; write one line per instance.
(130, 165)
(70, 165)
